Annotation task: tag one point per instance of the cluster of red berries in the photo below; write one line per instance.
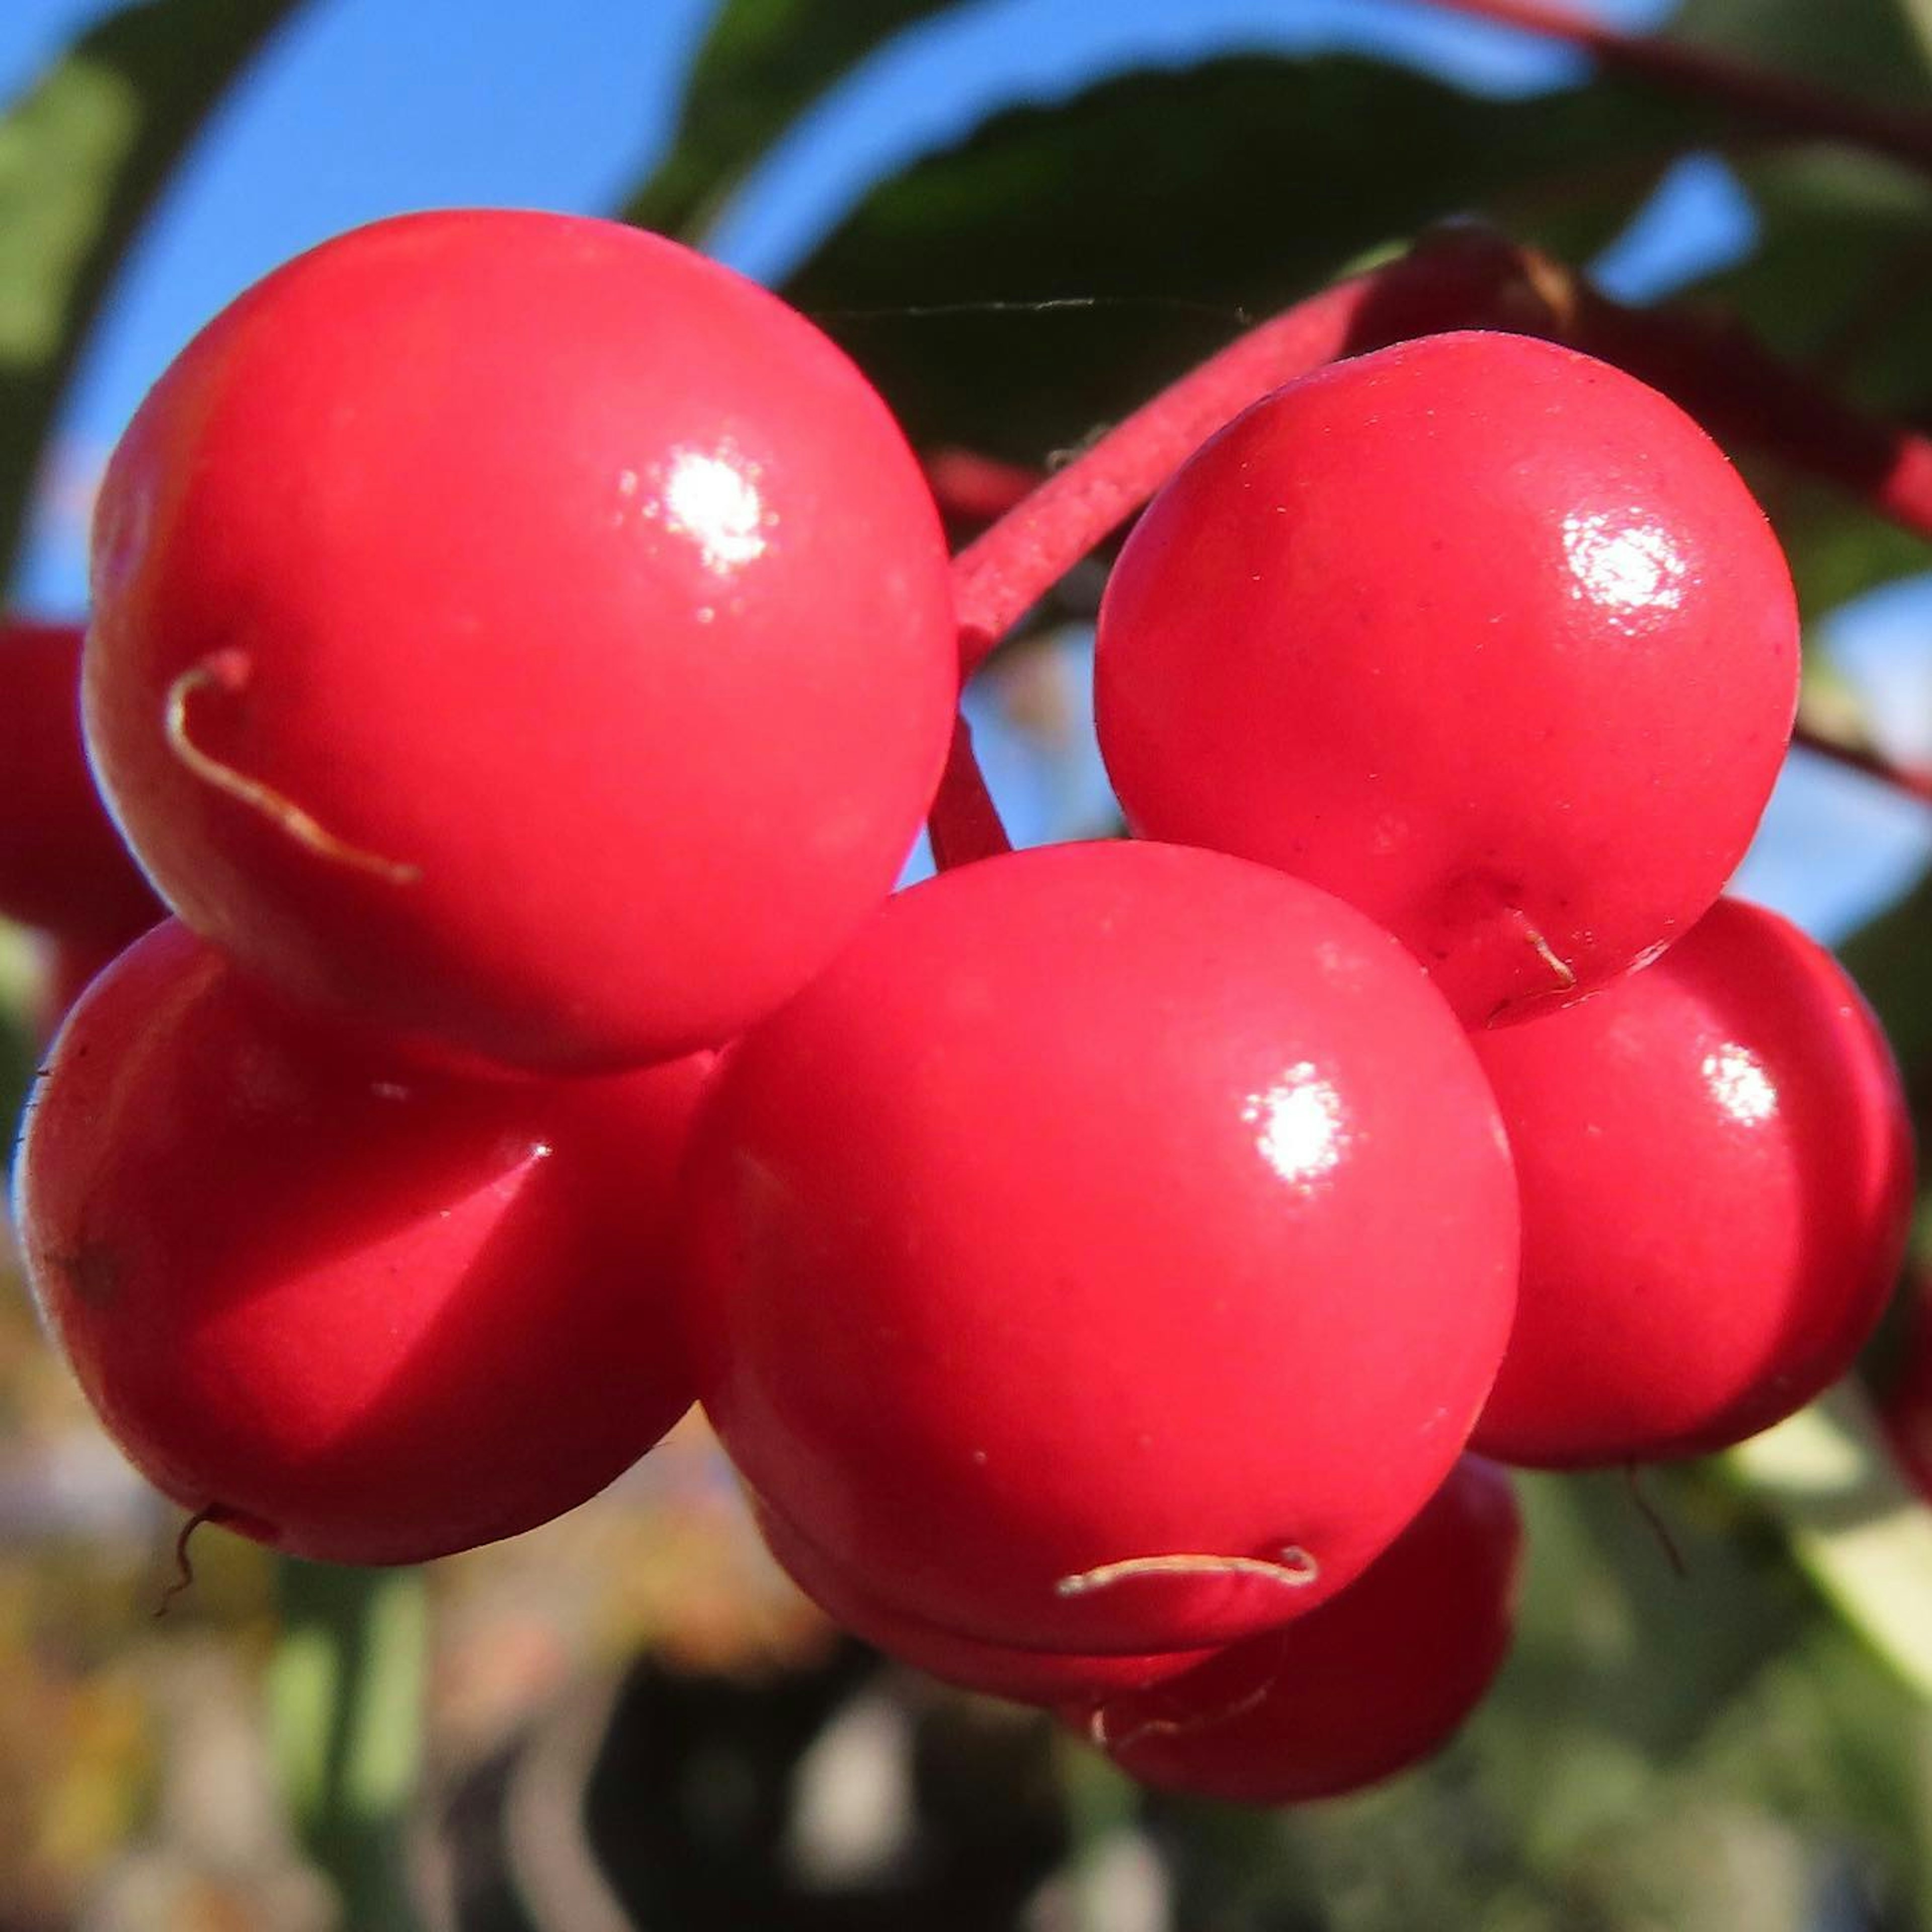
(523, 653)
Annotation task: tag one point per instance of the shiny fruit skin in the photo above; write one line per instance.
(359, 1313)
(1483, 635)
(63, 867)
(1370, 1684)
(1717, 1172)
(1043, 1677)
(1102, 1205)
(516, 628)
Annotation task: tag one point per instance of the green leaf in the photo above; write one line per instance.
(1870, 47)
(83, 154)
(20, 988)
(1840, 285)
(762, 61)
(1837, 548)
(1841, 279)
(1182, 198)
(1891, 960)
(345, 1691)
(1858, 1528)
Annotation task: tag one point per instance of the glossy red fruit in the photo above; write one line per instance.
(515, 627)
(1372, 1683)
(1483, 635)
(355, 1312)
(63, 867)
(1045, 1677)
(1110, 1252)
(1716, 1169)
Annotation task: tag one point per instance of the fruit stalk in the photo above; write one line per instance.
(1914, 781)
(1778, 101)
(1459, 278)
(965, 823)
(1441, 285)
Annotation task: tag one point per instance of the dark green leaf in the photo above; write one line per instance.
(1837, 548)
(1891, 960)
(1182, 197)
(83, 154)
(1841, 279)
(1869, 47)
(761, 63)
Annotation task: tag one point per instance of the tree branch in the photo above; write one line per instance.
(1913, 780)
(1778, 101)
(1458, 278)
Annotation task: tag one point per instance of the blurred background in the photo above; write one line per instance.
(629, 1718)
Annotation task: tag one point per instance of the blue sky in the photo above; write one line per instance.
(364, 108)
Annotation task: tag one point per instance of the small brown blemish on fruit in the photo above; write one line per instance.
(92, 1271)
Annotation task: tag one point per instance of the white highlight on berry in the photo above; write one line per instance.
(714, 499)
(1739, 1084)
(1301, 1135)
(1633, 567)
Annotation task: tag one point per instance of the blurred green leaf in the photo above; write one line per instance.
(1615, 1639)
(761, 63)
(1876, 48)
(1861, 1532)
(1891, 960)
(1837, 548)
(83, 154)
(20, 987)
(1179, 200)
(1841, 279)
(345, 1692)
(1577, 1796)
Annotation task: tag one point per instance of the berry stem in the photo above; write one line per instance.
(1913, 780)
(1779, 101)
(1463, 277)
(972, 488)
(1458, 278)
(1449, 280)
(1042, 536)
(965, 823)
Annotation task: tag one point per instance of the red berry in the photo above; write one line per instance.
(1716, 1170)
(1025, 1676)
(356, 1312)
(63, 867)
(1485, 636)
(1370, 1684)
(516, 628)
(1110, 1252)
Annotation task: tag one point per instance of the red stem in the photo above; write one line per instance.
(1778, 101)
(1450, 282)
(975, 489)
(1459, 279)
(1912, 780)
(996, 578)
(963, 824)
